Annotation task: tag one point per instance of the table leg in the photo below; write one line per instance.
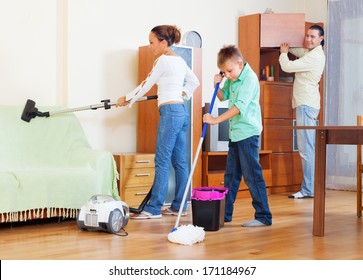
(319, 188)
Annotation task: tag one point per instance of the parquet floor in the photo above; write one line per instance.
(289, 238)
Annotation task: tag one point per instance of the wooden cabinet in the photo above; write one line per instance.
(137, 173)
(277, 112)
(214, 166)
(148, 114)
(260, 36)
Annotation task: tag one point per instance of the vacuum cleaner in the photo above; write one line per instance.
(30, 111)
(104, 213)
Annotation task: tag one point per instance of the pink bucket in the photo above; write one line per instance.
(209, 193)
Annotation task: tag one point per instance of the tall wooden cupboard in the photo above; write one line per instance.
(148, 114)
(259, 39)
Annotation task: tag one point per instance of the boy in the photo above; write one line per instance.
(242, 89)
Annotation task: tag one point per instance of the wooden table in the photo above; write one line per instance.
(336, 135)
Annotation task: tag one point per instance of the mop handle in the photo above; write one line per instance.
(105, 104)
(196, 157)
(205, 125)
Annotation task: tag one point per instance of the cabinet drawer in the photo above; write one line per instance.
(277, 140)
(281, 169)
(137, 176)
(138, 160)
(277, 101)
(215, 179)
(134, 196)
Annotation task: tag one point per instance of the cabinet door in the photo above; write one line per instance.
(278, 28)
(277, 101)
(249, 40)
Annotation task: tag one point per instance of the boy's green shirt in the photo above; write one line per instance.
(244, 93)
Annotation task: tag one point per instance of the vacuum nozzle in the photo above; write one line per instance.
(30, 111)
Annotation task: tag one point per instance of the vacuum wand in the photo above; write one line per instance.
(30, 111)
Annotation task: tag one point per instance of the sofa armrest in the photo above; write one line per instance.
(101, 162)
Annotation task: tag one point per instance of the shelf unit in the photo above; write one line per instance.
(214, 166)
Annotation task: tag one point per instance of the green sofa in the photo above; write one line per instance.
(47, 167)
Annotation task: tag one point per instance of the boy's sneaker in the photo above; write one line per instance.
(253, 223)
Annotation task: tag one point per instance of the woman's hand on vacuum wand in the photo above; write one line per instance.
(122, 101)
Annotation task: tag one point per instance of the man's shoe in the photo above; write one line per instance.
(296, 195)
(306, 196)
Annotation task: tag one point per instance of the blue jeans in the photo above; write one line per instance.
(306, 116)
(243, 160)
(171, 146)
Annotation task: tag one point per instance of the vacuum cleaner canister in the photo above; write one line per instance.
(104, 213)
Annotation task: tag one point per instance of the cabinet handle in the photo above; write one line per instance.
(143, 161)
(281, 153)
(141, 193)
(143, 175)
(221, 183)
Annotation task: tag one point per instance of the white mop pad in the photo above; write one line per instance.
(187, 235)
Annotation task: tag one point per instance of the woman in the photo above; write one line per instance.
(175, 82)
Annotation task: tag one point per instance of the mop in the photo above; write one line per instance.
(189, 234)
(30, 111)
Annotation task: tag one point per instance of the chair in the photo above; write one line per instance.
(359, 172)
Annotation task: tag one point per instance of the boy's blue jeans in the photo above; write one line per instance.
(171, 146)
(243, 161)
(306, 116)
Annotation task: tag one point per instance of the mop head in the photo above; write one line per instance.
(186, 235)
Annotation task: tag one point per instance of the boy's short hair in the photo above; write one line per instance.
(228, 52)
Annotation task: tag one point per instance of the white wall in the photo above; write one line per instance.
(78, 52)
(28, 51)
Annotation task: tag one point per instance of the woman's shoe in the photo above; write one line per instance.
(170, 211)
(144, 215)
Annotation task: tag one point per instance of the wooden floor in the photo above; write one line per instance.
(290, 236)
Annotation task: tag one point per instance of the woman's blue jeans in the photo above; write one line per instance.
(306, 116)
(243, 161)
(171, 146)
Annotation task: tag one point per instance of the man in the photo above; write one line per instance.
(308, 70)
